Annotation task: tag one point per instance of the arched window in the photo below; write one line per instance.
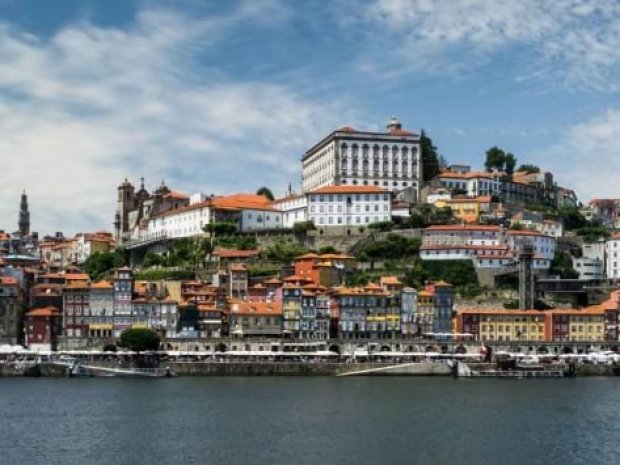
(375, 151)
(365, 151)
(354, 150)
(343, 150)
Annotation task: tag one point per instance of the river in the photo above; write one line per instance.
(295, 421)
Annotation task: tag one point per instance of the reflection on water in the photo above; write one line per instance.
(308, 421)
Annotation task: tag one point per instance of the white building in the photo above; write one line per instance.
(181, 222)
(473, 183)
(487, 246)
(390, 160)
(544, 246)
(294, 209)
(344, 206)
(613, 257)
(249, 212)
(456, 234)
(591, 264)
(553, 228)
(87, 244)
(589, 268)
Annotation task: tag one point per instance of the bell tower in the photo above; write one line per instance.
(126, 203)
(24, 216)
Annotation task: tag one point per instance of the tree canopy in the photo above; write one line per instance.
(284, 251)
(302, 227)
(430, 157)
(265, 192)
(382, 226)
(139, 339)
(100, 263)
(563, 265)
(572, 218)
(498, 159)
(393, 246)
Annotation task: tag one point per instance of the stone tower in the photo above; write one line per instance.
(526, 277)
(126, 203)
(24, 216)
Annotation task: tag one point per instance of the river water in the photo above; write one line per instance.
(277, 421)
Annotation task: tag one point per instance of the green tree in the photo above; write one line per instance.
(237, 241)
(460, 273)
(392, 247)
(415, 221)
(121, 257)
(572, 218)
(199, 248)
(495, 159)
(429, 157)
(382, 226)
(265, 192)
(327, 249)
(284, 251)
(302, 227)
(562, 265)
(139, 339)
(510, 162)
(153, 259)
(593, 233)
(99, 263)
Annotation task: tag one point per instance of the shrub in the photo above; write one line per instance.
(139, 339)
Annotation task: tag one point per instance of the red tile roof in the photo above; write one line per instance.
(45, 311)
(243, 201)
(176, 195)
(102, 285)
(233, 253)
(461, 227)
(8, 281)
(256, 307)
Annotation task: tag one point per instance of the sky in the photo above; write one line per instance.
(225, 96)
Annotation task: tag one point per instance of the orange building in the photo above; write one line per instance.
(325, 270)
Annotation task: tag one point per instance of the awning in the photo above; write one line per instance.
(100, 326)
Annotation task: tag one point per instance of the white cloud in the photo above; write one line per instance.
(588, 157)
(574, 43)
(84, 108)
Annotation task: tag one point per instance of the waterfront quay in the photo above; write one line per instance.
(346, 347)
(278, 357)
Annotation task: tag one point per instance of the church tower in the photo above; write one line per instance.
(126, 203)
(24, 216)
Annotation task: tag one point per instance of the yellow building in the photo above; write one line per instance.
(426, 311)
(587, 324)
(467, 209)
(502, 325)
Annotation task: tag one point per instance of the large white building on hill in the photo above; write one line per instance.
(390, 160)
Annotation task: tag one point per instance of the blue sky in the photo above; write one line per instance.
(226, 96)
